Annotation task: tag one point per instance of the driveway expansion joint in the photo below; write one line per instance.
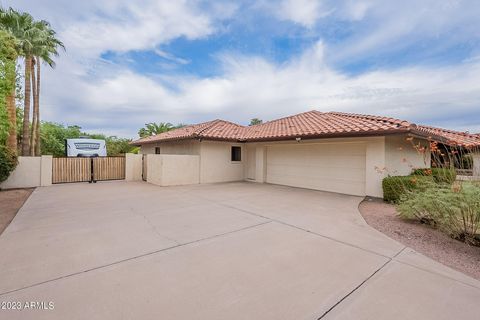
(354, 289)
(305, 230)
(133, 258)
(361, 283)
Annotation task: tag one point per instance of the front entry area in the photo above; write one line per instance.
(335, 167)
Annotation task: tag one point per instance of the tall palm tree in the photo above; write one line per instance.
(46, 47)
(21, 26)
(8, 72)
(8, 18)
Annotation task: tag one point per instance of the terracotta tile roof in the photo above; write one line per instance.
(318, 124)
(311, 124)
(450, 137)
(216, 129)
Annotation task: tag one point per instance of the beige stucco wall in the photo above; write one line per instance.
(476, 164)
(133, 167)
(188, 147)
(393, 155)
(216, 164)
(250, 165)
(374, 166)
(30, 172)
(173, 170)
(401, 155)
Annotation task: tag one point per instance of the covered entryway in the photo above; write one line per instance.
(336, 167)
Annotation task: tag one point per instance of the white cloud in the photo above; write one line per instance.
(137, 25)
(103, 96)
(390, 26)
(171, 57)
(304, 12)
(254, 87)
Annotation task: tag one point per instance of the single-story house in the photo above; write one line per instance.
(330, 151)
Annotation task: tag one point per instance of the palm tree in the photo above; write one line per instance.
(36, 42)
(22, 27)
(155, 128)
(8, 18)
(46, 47)
(8, 70)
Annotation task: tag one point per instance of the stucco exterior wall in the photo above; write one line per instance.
(374, 166)
(216, 164)
(394, 155)
(250, 165)
(133, 167)
(476, 164)
(186, 147)
(30, 172)
(401, 155)
(173, 170)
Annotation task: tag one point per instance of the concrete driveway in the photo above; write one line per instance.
(118, 250)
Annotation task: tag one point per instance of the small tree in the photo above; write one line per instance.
(255, 121)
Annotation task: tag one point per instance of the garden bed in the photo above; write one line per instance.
(10, 202)
(422, 238)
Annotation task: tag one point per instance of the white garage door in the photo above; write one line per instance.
(329, 167)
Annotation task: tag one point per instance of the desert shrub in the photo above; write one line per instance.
(454, 210)
(440, 175)
(8, 162)
(466, 161)
(396, 187)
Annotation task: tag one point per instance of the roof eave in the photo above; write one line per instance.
(135, 143)
(440, 139)
(333, 135)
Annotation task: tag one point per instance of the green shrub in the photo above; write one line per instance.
(455, 211)
(440, 175)
(396, 187)
(8, 162)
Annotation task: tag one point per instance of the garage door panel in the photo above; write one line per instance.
(326, 172)
(329, 167)
(321, 161)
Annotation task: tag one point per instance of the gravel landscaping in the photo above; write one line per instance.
(10, 202)
(422, 238)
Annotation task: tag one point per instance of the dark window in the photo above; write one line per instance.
(236, 153)
(157, 150)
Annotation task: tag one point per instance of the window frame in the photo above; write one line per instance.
(157, 149)
(232, 154)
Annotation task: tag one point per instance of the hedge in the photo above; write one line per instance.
(397, 186)
(440, 175)
(8, 162)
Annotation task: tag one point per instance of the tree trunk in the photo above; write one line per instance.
(34, 115)
(38, 150)
(26, 109)
(12, 116)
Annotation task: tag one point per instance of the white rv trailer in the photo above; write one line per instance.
(85, 147)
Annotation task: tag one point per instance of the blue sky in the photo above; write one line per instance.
(132, 62)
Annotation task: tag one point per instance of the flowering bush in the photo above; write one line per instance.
(440, 175)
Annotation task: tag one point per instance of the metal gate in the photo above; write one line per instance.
(66, 170)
